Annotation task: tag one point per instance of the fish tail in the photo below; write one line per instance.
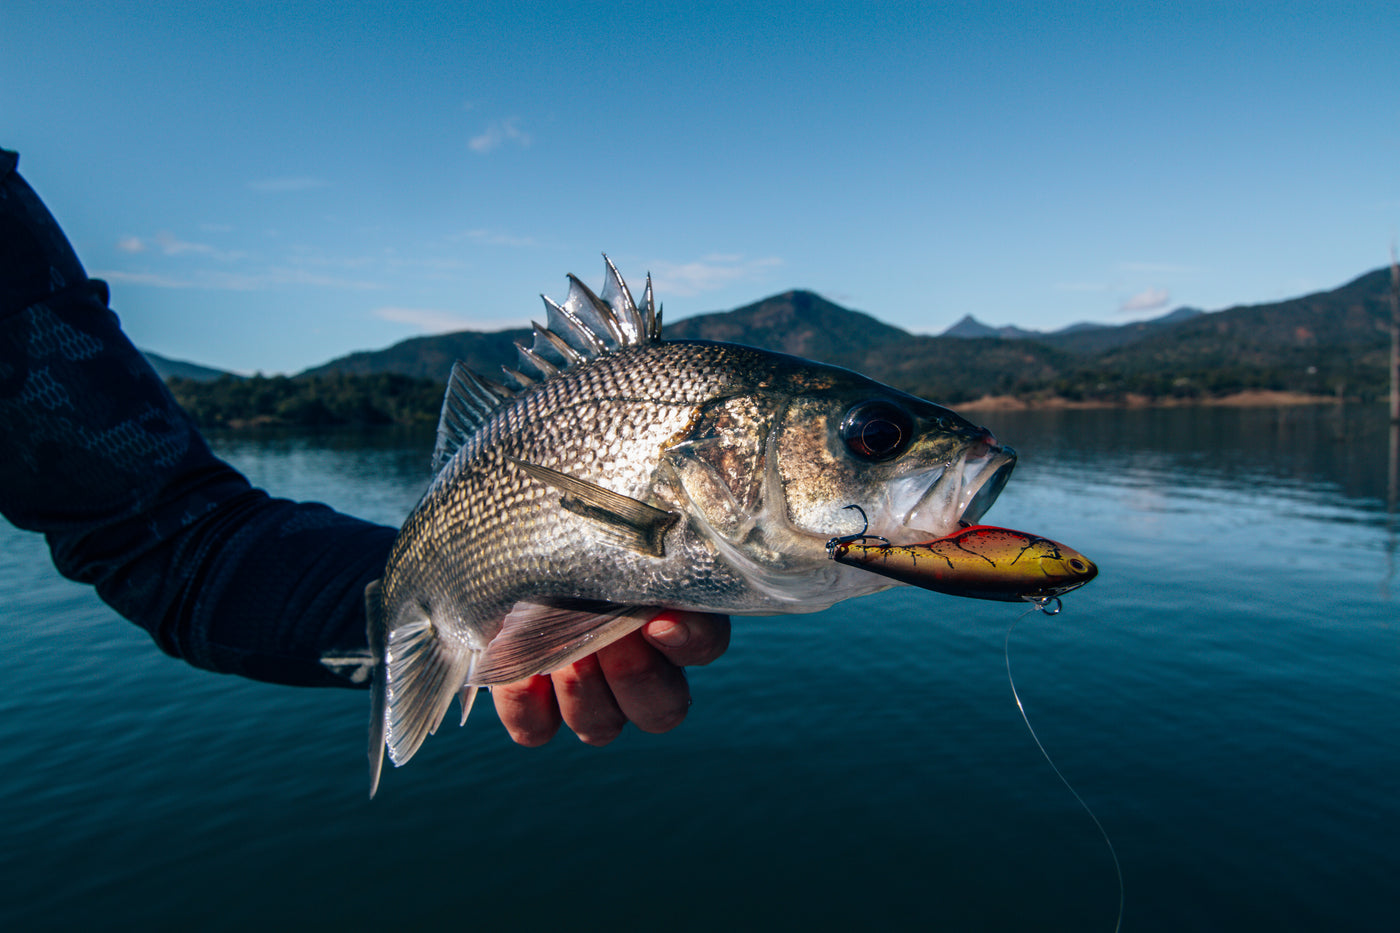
(374, 628)
(416, 676)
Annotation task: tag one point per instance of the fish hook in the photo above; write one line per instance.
(834, 543)
(1050, 605)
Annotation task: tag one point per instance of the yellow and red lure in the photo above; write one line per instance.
(979, 561)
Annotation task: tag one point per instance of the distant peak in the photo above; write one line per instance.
(969, 327)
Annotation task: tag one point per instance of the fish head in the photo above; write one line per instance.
(769, 475)
(916, 470)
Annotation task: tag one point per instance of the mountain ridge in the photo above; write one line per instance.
(1328, 343)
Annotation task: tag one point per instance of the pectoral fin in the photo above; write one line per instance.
(631, 522)
(537, 638)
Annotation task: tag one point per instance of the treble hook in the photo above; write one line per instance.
(834, 543)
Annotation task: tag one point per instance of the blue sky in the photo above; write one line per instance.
(270, 185)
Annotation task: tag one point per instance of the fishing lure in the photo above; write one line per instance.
(978, 561)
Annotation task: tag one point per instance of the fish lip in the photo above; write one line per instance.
(961, 492)
(988, 482)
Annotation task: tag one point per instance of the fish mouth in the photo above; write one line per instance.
(989, 478)
(957, 493)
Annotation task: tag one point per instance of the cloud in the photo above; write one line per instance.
(131, 244)
(1147, 300)
(497, 134)
(435, 321)
(707, 274)
(141, 278)
(1160, 268)
(172, 245)
(288, 183)
(234, 282)
(496, 238)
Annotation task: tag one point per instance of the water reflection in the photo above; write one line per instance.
(376, 474)
(1342, 447)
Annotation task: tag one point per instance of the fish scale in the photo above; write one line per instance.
(620, 473)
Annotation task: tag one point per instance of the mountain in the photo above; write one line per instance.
(969, 326)
(431, 357)
(798, 322)
(167, 368)
(1338, 337)
(1075, 336)
(1098, 338)
(1326, 343)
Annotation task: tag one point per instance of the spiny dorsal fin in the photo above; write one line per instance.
(586, 326)
(468, 403)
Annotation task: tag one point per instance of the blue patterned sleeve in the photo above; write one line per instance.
(96, 455)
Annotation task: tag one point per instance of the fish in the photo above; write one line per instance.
(979, 561)
(616, 472)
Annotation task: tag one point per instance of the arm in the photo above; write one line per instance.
(101, 460)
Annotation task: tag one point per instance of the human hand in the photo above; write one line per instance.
(637, 678)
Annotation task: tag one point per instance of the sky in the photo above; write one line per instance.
(267, 186)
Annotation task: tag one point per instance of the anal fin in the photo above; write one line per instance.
(537, 638)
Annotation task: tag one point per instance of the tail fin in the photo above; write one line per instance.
(417, 675)
(374, 628)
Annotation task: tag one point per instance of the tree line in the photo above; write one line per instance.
(381, 399)
(333, 400)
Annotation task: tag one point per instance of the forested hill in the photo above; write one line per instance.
(431, 357)
(1330, 343)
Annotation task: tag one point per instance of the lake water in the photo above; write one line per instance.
(1224, 696)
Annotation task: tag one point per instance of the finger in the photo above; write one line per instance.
(528, 710)
(586, 702)
(688, 639)
(650, 690)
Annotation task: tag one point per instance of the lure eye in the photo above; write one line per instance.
(877, 430)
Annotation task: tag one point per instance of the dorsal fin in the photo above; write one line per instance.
(586, 326)
(468, 403)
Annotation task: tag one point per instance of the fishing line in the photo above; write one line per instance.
(1044, 606)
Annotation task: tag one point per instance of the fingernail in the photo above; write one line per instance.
(668, 632)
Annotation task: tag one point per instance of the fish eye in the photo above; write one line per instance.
(877, 430)
(1077, 565)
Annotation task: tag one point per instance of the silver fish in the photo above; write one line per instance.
(622, 472)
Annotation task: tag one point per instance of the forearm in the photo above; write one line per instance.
(99, 458)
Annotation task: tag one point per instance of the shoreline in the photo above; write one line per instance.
(1254, 398)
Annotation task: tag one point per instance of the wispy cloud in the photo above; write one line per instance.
(1156, 268)
(708, 273)
(172, 245)
(131, 244)
(142, 278)
(215, 280)
(1149, 299)
(288, 183)
(435, 321)
(496, 238)
(497, 134)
